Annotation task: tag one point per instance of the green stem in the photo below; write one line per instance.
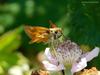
(68, 71)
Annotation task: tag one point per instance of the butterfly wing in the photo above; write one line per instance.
(37, 33)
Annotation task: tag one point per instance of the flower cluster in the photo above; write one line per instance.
(68, 53)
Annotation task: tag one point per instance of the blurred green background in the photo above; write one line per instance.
(79, 19)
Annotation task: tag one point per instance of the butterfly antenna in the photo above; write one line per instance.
(52, 25)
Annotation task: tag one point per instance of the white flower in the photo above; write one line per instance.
(53, 63)
(18, 70)
(15, 70)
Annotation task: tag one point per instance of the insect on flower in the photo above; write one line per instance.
(68, 53)
(42, 34)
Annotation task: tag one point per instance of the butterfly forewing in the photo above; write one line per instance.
(37, 33)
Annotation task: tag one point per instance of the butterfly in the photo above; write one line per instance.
(42, 34)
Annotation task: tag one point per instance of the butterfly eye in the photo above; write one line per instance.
(56, 32)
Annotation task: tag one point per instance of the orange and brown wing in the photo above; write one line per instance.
(37, 33)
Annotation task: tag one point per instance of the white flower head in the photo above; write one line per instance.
(68, 53)
(52, 64)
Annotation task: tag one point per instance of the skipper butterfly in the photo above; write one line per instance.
(42, 34)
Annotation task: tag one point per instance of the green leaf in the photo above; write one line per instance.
(8, 59)
(11, 40)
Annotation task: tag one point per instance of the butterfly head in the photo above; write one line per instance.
(55, 32)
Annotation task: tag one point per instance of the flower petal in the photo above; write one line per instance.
(50, 57)
(52, 67)
(84, 59)
(94, 53)
(79, 66)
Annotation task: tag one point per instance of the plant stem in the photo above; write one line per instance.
(68, 71)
